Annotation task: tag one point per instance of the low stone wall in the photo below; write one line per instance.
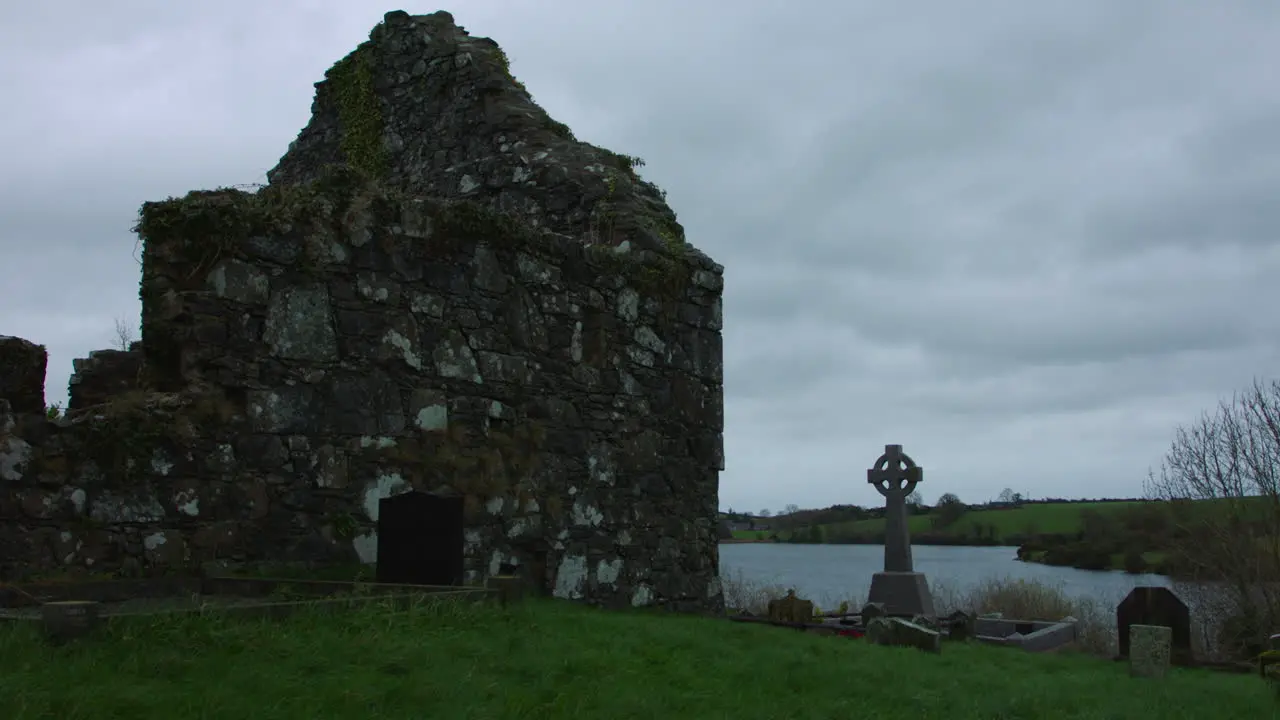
(22, 368)
(104, 375)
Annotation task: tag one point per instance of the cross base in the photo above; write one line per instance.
(903, 593)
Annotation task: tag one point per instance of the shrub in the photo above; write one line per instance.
(1134, 562)
(1026, 600)
(742, 595)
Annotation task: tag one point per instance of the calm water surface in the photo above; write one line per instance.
(830, 573)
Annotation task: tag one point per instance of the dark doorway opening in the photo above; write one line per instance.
(420, 539)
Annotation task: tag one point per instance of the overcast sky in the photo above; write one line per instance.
(1024, 240)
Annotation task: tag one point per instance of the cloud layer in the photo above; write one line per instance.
(1026, 242)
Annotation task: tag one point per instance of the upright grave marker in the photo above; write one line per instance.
(1154, 605)
(1149, 650)
(902, 590)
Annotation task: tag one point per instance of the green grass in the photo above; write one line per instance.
(549, 659)
(1045, 518)
(1037, 518)
(752, 534)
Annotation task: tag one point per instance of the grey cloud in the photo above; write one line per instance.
(1024, 239)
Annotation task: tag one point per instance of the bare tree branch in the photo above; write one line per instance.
(124, 335)
(1230, 461)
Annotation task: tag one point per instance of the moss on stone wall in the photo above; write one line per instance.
(504, 64)
(465, 223)
(195, 231)
(197, 228)
(358, 112)
(122, 436)
(474, 462)
(559, 129)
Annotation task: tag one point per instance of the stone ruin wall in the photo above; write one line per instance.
(540, 340)
(305, 360)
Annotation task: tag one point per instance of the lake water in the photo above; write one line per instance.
(827, 574)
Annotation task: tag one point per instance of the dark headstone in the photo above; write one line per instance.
(1156, 606)
(510, 588)
(68, 619)
(791, 609)
(959, 625)
(872, 610)
(420, 539)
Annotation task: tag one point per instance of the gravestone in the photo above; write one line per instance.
(791, 609)
(1149, 654)
(420, 539)
(959, 625)
(903, 591)
(69, 619)
(509, 588)
(901, 633)
(1150, 605)
(871, 611)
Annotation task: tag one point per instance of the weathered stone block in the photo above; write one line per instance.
(959, 625)
(69, 619)
(15, 454)
(791, 609)
(22, 368)
(899, 632)
(103, 375)
(1149, 650)
(511, 588)
(873, 610)
(902, 593)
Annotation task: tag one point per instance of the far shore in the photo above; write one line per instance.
(1152, 567)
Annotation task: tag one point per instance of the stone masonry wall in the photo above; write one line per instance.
(441, 289)
(326, 348)
(22, 369)
(103, 375)
(430, 109)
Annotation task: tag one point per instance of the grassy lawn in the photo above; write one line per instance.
(549, 659)
(752, 534)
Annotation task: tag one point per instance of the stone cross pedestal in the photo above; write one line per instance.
(902, 590)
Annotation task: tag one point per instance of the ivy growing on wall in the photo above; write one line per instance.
(358, 112)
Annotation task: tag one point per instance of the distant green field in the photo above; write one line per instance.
(1044, 518)
(1030, 519)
